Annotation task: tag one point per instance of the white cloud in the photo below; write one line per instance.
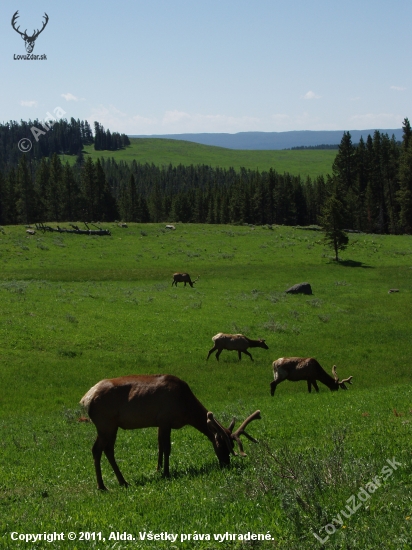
(376, 120)
(172, 122)
(298, 121)
(110, 117)
(71, 97)
(182, 122)
(28, 103)
(278, 117)
(311, 95)
(398, 88)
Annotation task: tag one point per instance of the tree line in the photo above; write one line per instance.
(109, 141)
(371, 181)
(54, 136)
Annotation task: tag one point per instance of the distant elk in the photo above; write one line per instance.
(29, 41)
(305, 368)
(163, 401)
(235, 342)
(183, 278)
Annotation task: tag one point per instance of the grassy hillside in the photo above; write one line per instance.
(77, 309)
(166, 151)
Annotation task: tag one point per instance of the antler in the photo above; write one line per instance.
(241, 430)
(13, 21)
(348, 380)
(335, 374)
(42, 29)
(216, 428)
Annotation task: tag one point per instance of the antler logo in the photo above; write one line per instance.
(29, 40)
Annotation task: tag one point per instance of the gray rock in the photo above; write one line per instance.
(300, 288)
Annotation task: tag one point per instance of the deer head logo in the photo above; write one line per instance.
(29, 40)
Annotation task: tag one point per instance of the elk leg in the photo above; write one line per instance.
(109, 452)
(97, 451)
(161, 451)
(165, 448)
(273, 387)
(218, 353)
(211, 351)
(247, 353)
(309, 386)
(314, 384)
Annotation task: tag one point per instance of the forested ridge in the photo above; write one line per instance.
(372, 180)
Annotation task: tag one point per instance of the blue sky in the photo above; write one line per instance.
(177, 66)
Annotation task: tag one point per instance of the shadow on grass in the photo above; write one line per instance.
(352, 263)
(189, 472)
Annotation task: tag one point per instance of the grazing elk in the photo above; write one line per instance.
(183, 278)
(235, 342)
(162, 401)
(305, 368)
(29, 41)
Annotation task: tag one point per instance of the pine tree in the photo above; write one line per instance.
(332, 220)
(26, 199)
(404, 194)
(89, 189)
(345, 179)
(3, 200)
(71, 193)
(344, 165)
(42, 183)
(133, 202)
(55, 195)
(11, 196)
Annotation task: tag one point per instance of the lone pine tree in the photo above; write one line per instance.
(332, 221)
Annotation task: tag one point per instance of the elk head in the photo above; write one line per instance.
(29, 40)
(341, 383)
(225, 438)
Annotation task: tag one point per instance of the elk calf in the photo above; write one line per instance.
(183, 278)
(235, 342)
(145, 401)
(305, 368)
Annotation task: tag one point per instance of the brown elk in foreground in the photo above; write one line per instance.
(235, 342)
(305, 368)
(183, 278)
(145, 401)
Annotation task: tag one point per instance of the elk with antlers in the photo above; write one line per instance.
(29, 40)
(162, 401)
(305, 368)
(183, 278)
(235, 342)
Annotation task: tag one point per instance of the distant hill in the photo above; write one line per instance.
(162, 152)
(273, 140)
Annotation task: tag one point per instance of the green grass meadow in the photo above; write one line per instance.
(77, 309)
(162, 152)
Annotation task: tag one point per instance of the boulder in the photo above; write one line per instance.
(300, 288)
